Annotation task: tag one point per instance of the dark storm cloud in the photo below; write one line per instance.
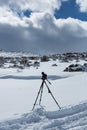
(50, 38)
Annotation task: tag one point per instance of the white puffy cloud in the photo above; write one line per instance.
(82, 4)
(40, 5)
(11, 10)
(8, 17)
(34, 5)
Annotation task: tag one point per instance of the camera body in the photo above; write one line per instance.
(44, 76)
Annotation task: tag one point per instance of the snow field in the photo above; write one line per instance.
(19, 88)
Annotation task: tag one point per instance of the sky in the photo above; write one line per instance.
(43, 26)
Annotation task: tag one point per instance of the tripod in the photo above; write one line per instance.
(40, 92)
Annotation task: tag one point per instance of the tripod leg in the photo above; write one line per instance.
(41, 95)
(48, 81)
(52, 95)
(37, 95)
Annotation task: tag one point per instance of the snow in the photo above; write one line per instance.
(15, 54)
(18, 91)
(72, 118)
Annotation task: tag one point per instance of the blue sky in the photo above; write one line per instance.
(43, 26)
(70, 9)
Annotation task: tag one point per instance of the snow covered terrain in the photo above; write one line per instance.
(19, 88)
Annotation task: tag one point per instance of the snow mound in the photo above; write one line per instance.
(71, 118)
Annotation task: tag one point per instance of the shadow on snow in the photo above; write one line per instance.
(50, 77)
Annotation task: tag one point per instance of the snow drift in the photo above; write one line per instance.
(71, 118)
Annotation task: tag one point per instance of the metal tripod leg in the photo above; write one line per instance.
(41, 94)
(52, 95)
(38, 95)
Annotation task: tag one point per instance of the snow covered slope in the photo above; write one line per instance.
(73, 118)
(19, 88)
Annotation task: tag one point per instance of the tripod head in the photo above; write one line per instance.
(44, 77)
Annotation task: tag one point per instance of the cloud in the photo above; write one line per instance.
(4, 2)
(13, 10)
(41, 32)
(40, 5)
(34, 5)
(8, 17)
(82, 4)
(45, 34)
